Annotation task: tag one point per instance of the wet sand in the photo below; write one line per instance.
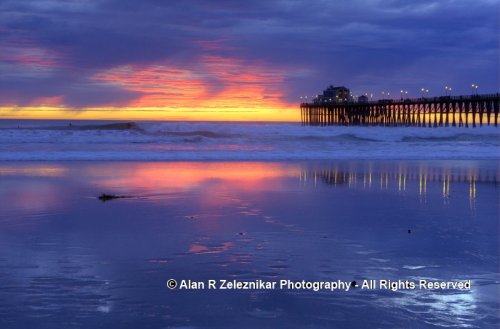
(68, 259)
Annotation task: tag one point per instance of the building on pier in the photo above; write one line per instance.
(334, 95)
(363, 99)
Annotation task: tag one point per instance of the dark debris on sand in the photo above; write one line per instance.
(107, 197)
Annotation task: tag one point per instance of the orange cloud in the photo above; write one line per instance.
(161, 85)
(216, 82)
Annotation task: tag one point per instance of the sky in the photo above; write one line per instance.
(235, 60)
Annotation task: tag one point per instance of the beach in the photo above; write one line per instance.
(69, 259)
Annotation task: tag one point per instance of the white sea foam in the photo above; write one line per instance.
(54, 140)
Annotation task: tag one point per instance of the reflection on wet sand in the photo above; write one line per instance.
(191, 175)
(403, 178)
(88, 262)
(43, 170)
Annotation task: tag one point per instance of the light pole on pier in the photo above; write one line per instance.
(424, 91)
(474, 88)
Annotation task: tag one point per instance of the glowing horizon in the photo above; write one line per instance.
(152, 114)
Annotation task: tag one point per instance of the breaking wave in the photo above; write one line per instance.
(101, 140)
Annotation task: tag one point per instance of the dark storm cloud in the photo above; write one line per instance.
(368, 45)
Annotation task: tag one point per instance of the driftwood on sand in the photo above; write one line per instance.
(107, 197)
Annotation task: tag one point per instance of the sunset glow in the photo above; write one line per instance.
(218, 61)
(219, 89)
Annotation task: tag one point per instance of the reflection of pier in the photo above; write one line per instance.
(402, 178)
(423, 112)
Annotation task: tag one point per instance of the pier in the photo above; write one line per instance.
(444, 111)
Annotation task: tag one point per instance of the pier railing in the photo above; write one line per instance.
(425, 112)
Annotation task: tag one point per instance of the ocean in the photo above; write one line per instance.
(155, 141)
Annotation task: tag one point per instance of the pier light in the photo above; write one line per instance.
(448, 90)
(474, 88)
(424, 91)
